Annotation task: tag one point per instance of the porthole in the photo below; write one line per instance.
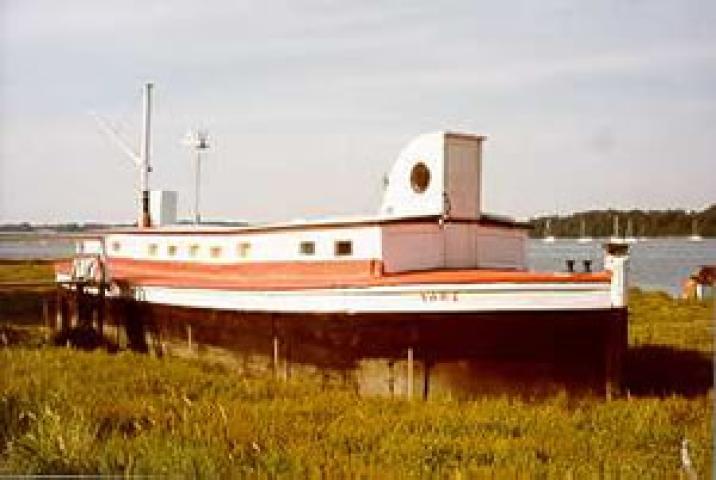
(420, 177)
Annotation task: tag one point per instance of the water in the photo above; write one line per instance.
(656, 264)
(35, 250)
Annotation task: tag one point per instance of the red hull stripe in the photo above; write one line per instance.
(314, 275)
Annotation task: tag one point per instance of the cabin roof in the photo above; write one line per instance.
(316, 223)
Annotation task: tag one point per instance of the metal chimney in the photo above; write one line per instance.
(145, 220)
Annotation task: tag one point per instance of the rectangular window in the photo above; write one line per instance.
(153, 249)
(116, 246)
(215, 252)
(307, 248)
(194, 250)
(172, 250)
(243, 249)
(343, 248)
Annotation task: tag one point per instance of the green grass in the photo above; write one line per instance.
(65, 411)
(25, 271)
(655, 318)
(74, 412)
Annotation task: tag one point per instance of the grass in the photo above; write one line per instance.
(73, 412)
(25, 271)
(65, 411)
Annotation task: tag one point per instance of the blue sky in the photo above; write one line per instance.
(585, 104)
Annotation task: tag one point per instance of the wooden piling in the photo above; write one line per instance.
(426, 377)
(391, 378)
(410, 373)
(275, 356)
(615, 345)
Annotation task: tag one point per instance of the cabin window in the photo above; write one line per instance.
(420, 177)
(116, 246)
(307, 248)
(153, 249)
(343, 248)
(243, 249)
(172, 250)
(194, 250)
(215, 252)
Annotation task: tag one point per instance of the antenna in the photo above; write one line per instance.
(199, 141)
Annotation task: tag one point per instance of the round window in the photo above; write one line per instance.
(420, 177)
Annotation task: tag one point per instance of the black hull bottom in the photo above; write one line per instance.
(525, 353)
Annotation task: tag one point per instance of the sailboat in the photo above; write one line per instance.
(695, 237)
(615, 238)
(548, 237)
(583, 238)
(629, 234)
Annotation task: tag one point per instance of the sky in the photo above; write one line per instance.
(586, 105)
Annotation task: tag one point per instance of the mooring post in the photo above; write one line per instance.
(410, 372)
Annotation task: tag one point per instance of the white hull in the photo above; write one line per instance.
(405, 298)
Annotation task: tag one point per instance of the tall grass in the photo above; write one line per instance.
(71, 412)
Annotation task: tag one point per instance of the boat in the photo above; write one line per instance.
(583, 238)
(629, 233)
(548, 238)
(695, 237)
(616, 238)
(430, 270)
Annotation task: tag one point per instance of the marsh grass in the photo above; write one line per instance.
(64, 411)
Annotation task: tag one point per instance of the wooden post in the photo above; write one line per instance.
(45, 312)
(101, 309)
(615, 345)
(149, 341)
(410, 373)
(426, 377)
(391, 378)
(75, 319)
(275, 355)
(287, 360)
(59, 321)
(188, 337)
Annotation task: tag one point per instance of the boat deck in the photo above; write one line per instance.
(317, 275)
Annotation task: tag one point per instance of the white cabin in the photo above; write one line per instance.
(430, 218)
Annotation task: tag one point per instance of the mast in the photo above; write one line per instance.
(145, 168)
(616, 226)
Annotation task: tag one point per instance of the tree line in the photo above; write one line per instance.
(637, 223)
